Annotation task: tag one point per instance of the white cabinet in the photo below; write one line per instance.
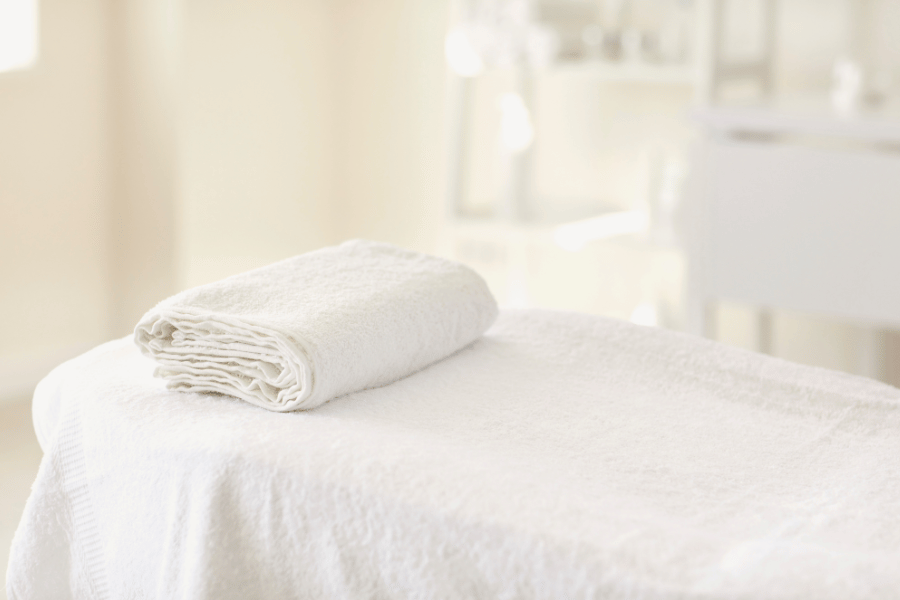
(799, 211)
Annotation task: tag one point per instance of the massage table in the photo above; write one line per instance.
(560, 455)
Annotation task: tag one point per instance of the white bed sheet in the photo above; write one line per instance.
(561, 456)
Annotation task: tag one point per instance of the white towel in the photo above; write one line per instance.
(560, 456)
(302, 331)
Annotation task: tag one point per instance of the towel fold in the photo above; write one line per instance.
(302, 331)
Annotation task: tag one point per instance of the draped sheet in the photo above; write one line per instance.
(559, 456)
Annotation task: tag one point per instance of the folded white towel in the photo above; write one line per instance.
(302, 331)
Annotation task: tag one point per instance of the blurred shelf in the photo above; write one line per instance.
(555, 233)
(618, 71)
(803, 116)
(627, 72)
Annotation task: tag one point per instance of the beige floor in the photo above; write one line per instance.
(20, 456)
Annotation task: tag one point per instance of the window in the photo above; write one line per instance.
(18, 34)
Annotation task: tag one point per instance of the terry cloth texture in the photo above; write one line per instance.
(559, 456)
(302, 331)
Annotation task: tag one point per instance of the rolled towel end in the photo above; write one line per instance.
(202, 352)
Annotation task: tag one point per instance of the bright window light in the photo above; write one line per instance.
(18, 34)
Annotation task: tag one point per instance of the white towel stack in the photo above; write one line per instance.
(302, 331)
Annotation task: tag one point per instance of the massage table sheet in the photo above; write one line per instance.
(559, 456)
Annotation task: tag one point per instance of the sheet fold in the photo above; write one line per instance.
(302, 331)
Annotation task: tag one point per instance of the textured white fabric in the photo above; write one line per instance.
(300, 332)
(559, 456)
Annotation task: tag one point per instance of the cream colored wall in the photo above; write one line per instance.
(306, 123)
(145, 37)
(390, 182)
(257, 134)
(55, 189)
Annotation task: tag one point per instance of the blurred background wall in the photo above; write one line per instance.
(56, 192)
(256, 128)
(157, 145)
